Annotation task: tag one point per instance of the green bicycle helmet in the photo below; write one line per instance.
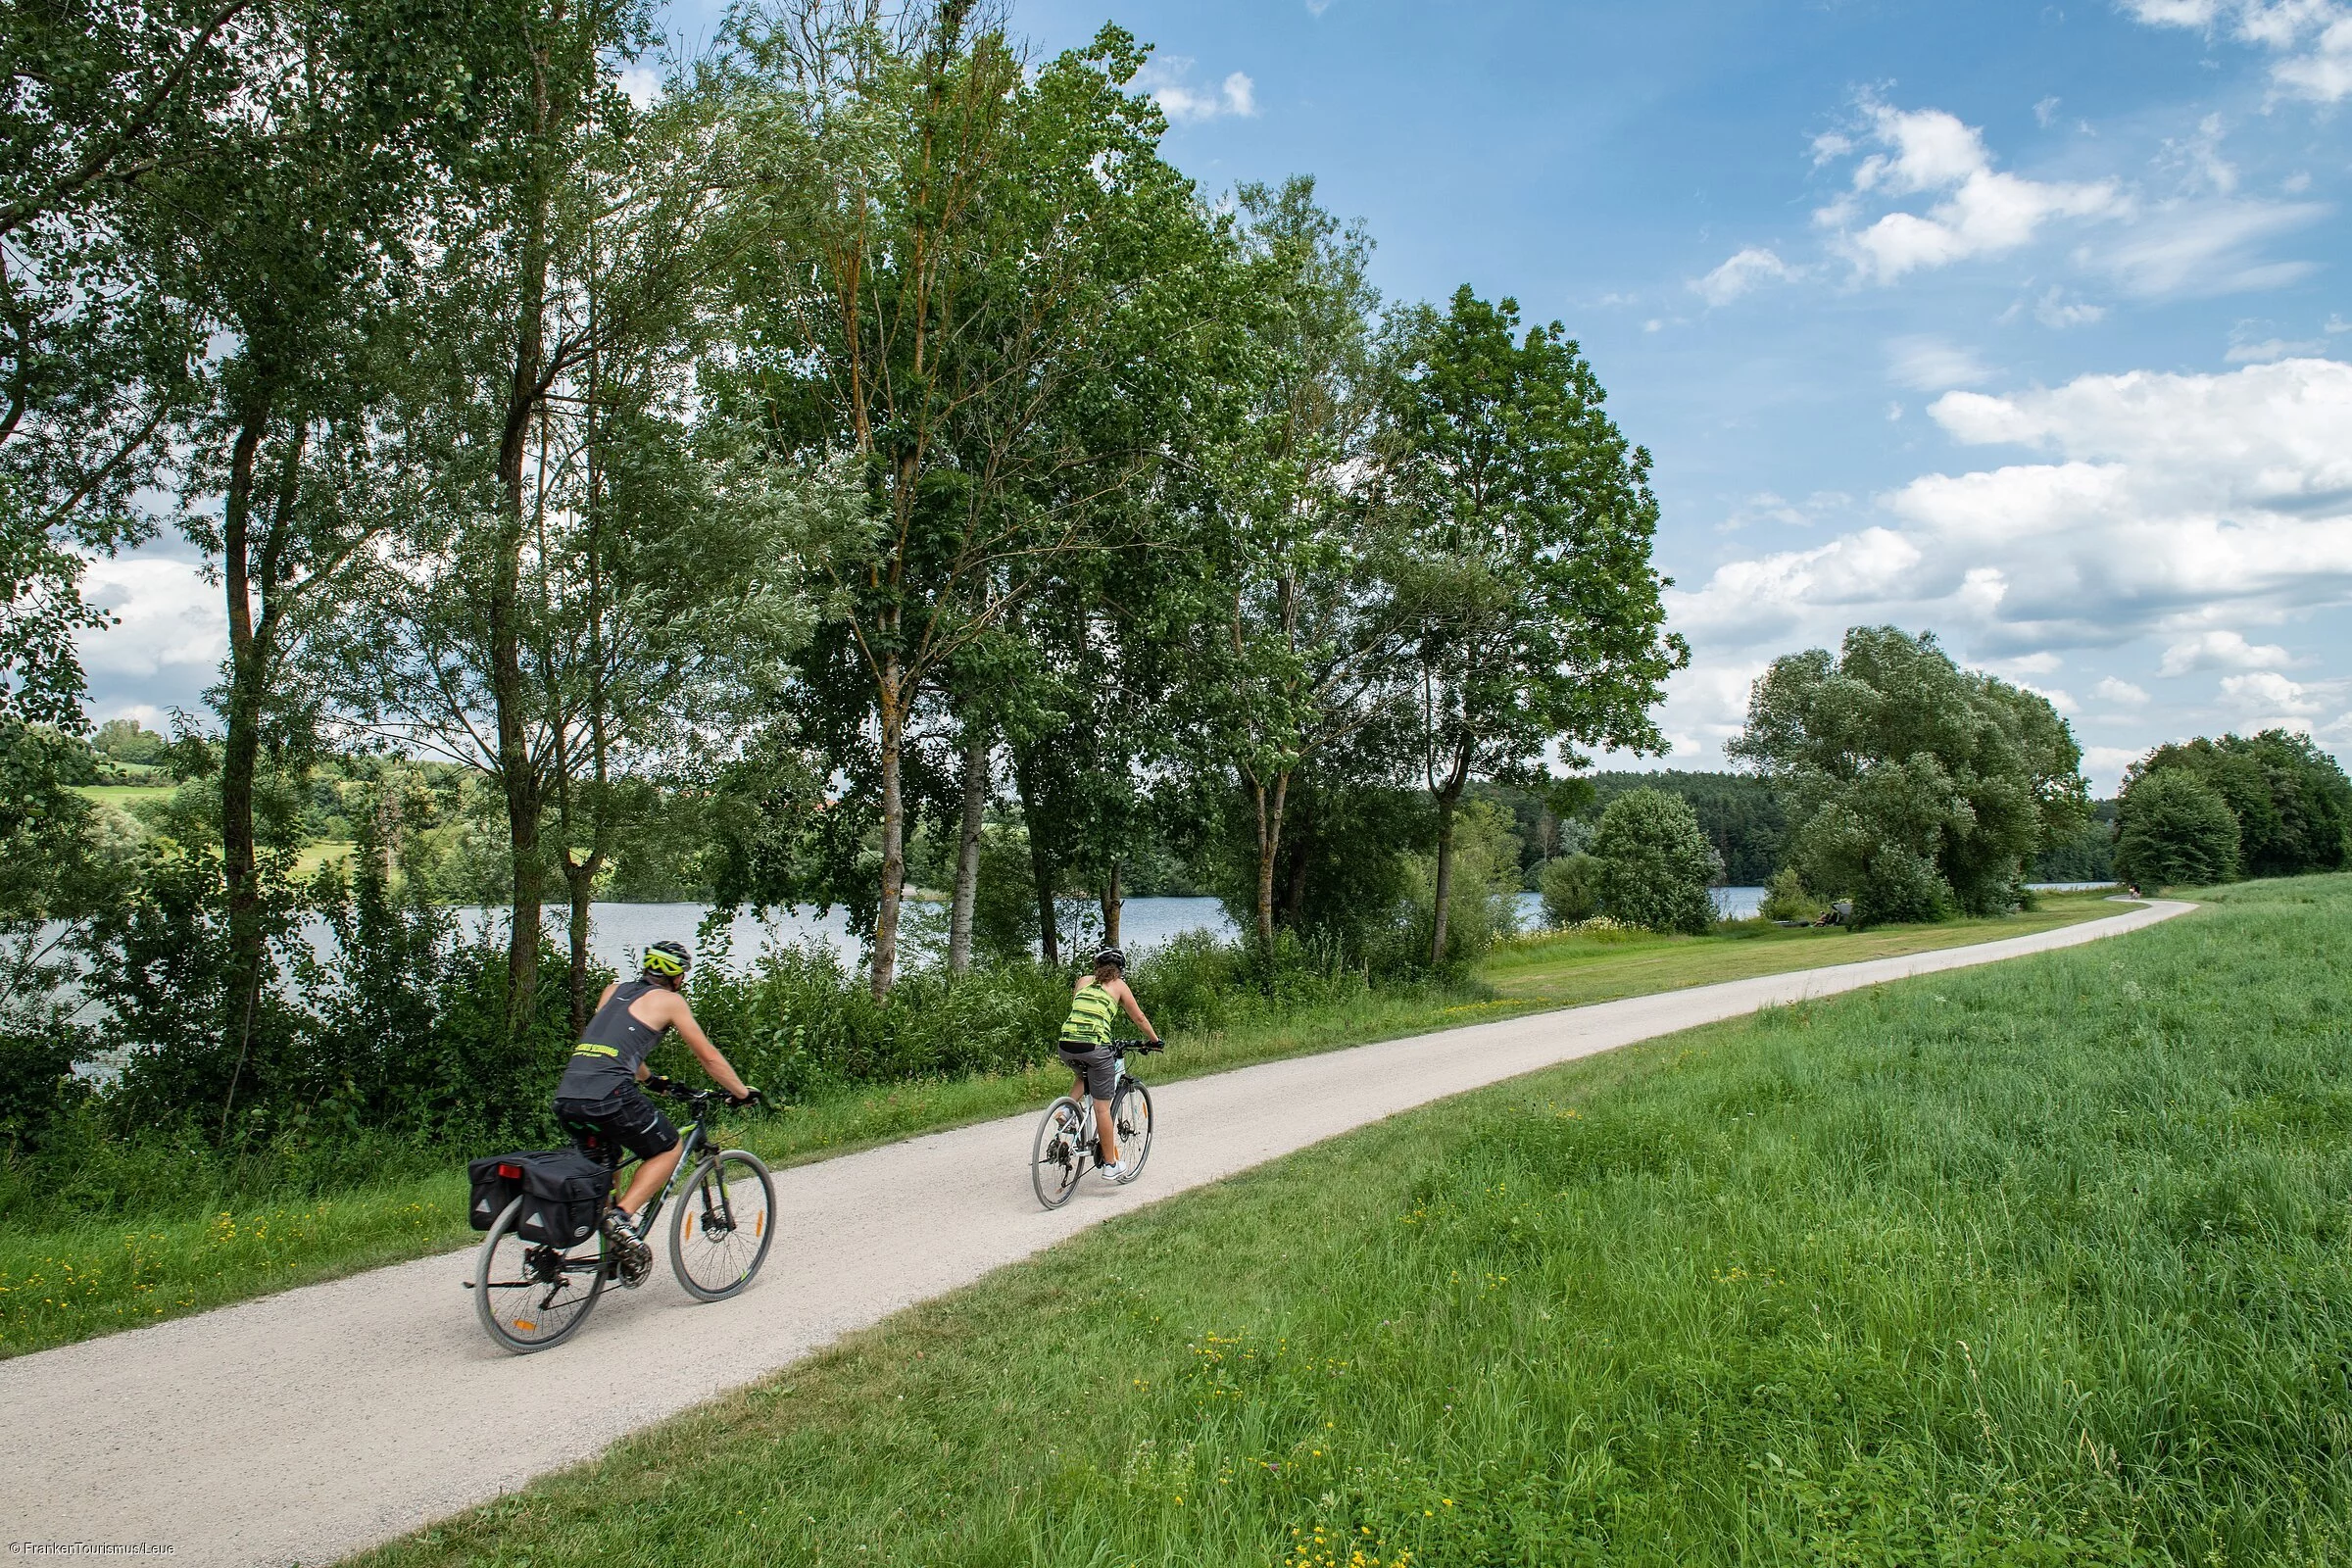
(669, 959)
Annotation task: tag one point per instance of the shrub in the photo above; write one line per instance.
(2173, 828)
(1787, 899)
(1571, 888)
(1656, 864)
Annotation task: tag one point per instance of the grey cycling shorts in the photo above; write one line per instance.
(1099, 1063)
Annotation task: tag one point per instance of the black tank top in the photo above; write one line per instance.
(611, 1048)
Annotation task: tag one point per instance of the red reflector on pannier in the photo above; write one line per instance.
(511, 1173)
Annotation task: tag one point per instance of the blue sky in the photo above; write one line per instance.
(2023, 323)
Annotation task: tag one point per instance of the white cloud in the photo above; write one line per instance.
(169, 619)
(1931, 364)
(1748, 270)
(2311, 40)
(2159, 504)
(1184, 104)
(642, 84)
(2112, 690)
(2222, 650)
(2206, 247)
(2269, 349)
(2268, 692)
(2046, 110)
(2054, 310)
(1983, 211)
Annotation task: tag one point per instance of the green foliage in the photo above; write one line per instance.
(2087, 856)
(2292, 802)
(2173, 828)
(1916, 787)
(1742, 816)
(1655, 864)
(1571, 888)
(1786, 899)
(1483, 904)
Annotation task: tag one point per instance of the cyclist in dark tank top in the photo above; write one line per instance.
(600, 1085)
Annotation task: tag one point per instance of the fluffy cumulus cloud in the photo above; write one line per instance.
(1749, 269)
(1168, 80)
(1971, 208)
(2310, 40)
(2170, 507)
(167, 641)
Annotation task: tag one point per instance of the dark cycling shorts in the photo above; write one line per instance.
(1099, 1063)
(627, 1118)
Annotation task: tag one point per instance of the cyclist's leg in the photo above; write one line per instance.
(1105, 1134)
(652, 1174)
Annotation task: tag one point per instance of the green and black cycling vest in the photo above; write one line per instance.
(1091, 1011)
(611, 1048)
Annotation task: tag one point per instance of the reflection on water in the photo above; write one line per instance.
(618, 933)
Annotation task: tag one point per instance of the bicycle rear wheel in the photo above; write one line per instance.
(531, 1294)
(1131, 1115)
(1059, 1158)
(725, 1220)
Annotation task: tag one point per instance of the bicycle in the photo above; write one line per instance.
(533, 1295)
(1066, 1142)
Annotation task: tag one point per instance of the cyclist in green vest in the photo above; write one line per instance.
(1085, 1047)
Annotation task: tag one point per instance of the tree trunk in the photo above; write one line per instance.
(1294, 897)
(580, 879)
(509, 694)
(1048, 934)
(241, 749)
(1110, 906)
(894, 830)
(1269, 845)
(967, 848)
(1444, 884)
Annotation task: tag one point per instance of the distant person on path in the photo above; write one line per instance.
(599, 1087)
(1085, 1047)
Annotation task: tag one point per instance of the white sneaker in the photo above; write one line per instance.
(1119, 1173)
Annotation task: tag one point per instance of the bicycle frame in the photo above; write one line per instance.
(691, 1139)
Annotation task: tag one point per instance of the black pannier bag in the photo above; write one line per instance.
(494, 1183)
(562, 1195)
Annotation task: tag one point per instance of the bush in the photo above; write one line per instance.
(1571, 889)
(1484, 900)
(1656, 864)
(2172, 828)
(1787, 899)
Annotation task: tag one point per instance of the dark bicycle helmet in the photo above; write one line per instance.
(669, 959)
(1110, 955)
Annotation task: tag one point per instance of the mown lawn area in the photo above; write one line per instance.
(69, 1282)
(2040, 1263)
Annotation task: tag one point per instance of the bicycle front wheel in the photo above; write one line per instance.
(1059, 1158)
(1131, 1114)
(725, 1220)
(531, 1294)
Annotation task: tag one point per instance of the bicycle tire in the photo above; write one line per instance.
(723, 1225)
(1131, 1116)
(507, 1270)
(1057, 1158)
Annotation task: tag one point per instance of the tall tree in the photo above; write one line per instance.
(1295, 636)
(1522, 520)
(1914, 785)
(290, 238)
(960, 244)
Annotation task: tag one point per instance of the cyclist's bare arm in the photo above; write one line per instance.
(668, 1008)
(1135, 1009)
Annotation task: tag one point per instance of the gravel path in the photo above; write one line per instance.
(307, 1425)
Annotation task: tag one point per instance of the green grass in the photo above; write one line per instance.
(2045, 1264)
(124, 796)
(69, 1282)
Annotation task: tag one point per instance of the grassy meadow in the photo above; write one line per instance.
(69, 1282)
(2044, 1263)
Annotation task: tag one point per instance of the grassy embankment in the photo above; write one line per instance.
(122, 797)
(69, 1282)
(2036, 1264)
